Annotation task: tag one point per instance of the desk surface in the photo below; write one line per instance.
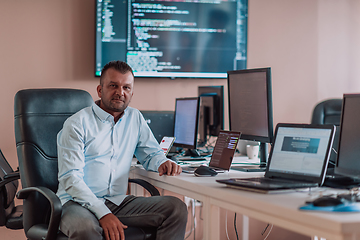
(278, 209)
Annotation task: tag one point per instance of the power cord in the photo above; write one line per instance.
(262, 233)
(194, 214)
(193, 221)
(236, 232)
(226, 229)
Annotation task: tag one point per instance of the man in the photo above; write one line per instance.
(95, 150)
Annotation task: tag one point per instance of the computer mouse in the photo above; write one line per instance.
(327, 201)
(204, 171)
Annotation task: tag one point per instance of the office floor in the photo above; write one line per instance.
(8, 234)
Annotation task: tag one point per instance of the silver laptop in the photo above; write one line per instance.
(298, 159)
(223, 152)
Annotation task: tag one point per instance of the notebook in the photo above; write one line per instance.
(298, 159)
(223, 152)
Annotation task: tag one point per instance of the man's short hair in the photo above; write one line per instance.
(119, 66)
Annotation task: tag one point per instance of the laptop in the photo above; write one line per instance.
(222, 154)
(298, 159)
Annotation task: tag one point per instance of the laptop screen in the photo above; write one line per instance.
(300, 150)
(224, 149)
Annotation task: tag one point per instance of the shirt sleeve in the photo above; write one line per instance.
(148, 151)
(71, 163)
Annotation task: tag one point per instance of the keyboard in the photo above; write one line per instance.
(190, 159)
(276, 181)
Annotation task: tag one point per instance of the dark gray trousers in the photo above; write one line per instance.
(167, 213)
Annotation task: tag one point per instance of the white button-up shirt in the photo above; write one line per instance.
(95, 154)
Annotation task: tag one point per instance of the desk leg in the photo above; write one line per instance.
(317, 238)
(211, 220)
(245, 228)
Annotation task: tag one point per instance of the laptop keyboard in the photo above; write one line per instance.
(262, 180)
(189, 159)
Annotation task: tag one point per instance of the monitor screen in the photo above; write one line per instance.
(186, 122)
(348, 159)
(250, 104)
(250, 107)
(211, 119)
(172, 38)
(161, 123)
(301, 149)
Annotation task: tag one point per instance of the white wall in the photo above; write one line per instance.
(339, 48)
(311, 45)
(283, 35)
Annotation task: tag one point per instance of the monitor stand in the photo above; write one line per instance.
(192, 153)
(256, 168)
(338, 181)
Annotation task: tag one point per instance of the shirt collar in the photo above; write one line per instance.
(102, 115)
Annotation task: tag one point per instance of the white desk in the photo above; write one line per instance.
(278, 209)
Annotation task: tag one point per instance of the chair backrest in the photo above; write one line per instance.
(329, 112)
(39, 116)
(7, 192)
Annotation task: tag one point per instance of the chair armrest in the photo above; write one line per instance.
(9, 178)
(55, 215)
(148, 186)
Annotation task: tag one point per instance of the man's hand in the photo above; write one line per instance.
(113, 228)
(169, 168)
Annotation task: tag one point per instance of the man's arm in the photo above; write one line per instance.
(71, 162)
(169, 168)
(150, 154)
(113, 228)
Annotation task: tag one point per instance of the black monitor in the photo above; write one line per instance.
(172, 38)
(211, 119)
(250, 108)
(161, 123)
(348, 158)
(186, 122)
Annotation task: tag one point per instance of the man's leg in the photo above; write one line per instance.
(78, 223)
(167, 213)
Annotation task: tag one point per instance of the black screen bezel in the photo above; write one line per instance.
(183, 145)
(349, 172)
(307, 178)
(270, 132)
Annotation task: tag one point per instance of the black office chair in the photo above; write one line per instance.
(39, 116)
(10, 215)
(329, 112)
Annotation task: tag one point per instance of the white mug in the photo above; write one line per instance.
(252, 151)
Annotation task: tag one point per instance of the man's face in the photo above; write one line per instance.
(116, 91)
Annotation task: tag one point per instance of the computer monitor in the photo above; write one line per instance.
(174, 39)
(250, 108)
(211, 119)
(186, 122)
(348, 158)
(161, 123)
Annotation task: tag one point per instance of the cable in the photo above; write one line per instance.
(269, 231)
(332, 163)
(334, 150)
(226, 229)
(191, 225)
(237, 236)
(194, 212)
